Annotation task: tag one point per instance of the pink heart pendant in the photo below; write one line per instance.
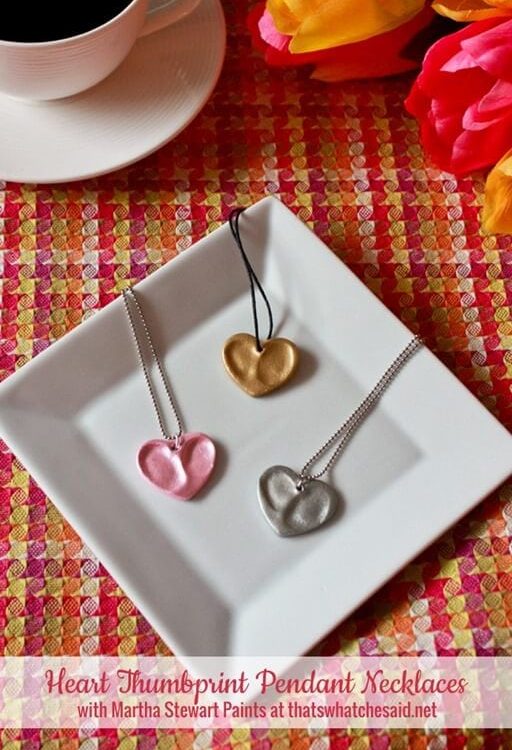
(179, 468)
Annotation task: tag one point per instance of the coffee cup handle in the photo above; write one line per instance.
(163, 13)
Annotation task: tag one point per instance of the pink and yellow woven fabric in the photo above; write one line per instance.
(347, 160)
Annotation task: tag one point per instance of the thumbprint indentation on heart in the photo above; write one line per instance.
(178, 471)
(275, 363)
(308, 510)
(156, 459)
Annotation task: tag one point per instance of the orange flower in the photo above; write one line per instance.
(321, 24)
(497, 213)
(473, 10)
(394, 52)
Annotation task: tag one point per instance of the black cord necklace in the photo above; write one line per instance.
(234, 222)
(257, 366)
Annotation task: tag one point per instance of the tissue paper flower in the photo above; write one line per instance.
(463, 96)
(386, 54)
(497, 213)
(321, 24)
(473, 10)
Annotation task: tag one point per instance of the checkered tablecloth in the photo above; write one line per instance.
(348, 161)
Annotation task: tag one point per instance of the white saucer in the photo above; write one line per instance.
(160, 87)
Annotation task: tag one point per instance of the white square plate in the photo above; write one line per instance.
(211, 575)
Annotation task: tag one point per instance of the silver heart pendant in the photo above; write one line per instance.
(290, 509)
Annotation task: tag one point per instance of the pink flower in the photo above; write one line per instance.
(463, 96)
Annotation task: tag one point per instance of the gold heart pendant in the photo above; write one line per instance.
(259, 373)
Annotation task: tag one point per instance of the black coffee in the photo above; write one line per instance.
(48, 20)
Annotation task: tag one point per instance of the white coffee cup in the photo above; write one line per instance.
(60, 68)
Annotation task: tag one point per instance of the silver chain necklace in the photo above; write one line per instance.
(127, 295)
(179, 464)
(299, 503)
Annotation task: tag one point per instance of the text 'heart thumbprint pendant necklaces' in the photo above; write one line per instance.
(178, 464)
(258, 367)
(296, 504)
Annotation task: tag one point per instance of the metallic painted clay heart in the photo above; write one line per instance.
(178, 470)
(259, 373)
(292, 511)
